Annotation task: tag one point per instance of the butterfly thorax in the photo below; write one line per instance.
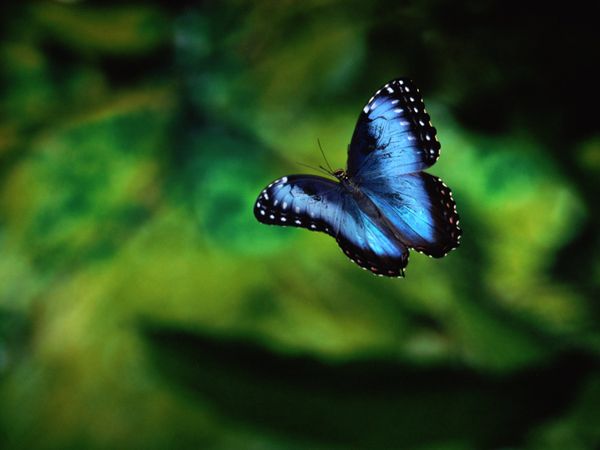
(345, 181)
(341, 175)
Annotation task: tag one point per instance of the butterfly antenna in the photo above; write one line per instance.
(320, 168)
(324, 157)
(327, 171)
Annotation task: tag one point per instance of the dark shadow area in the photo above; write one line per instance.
(371, 403)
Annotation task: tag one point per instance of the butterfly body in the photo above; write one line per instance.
(382, 204)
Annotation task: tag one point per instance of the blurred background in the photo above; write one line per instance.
(141, 304)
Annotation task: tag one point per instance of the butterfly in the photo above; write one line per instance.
(383, 204)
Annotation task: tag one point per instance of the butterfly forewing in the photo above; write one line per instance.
(393, 135)
(306, 201)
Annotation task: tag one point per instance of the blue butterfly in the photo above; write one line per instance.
(383, 204)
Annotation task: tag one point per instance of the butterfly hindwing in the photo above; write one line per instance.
(369, 245)
(319, 204)
(421, 209)
(393, 134)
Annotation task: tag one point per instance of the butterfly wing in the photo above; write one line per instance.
(306, 201)
(366, 243)
(319, 204)
(392, 143)
(421, 208)
(393, 134)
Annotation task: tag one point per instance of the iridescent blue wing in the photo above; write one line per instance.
(421, 209)
(319, 204)
(306, 201)
(393, 135)
(366, 243)
(392, 143)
